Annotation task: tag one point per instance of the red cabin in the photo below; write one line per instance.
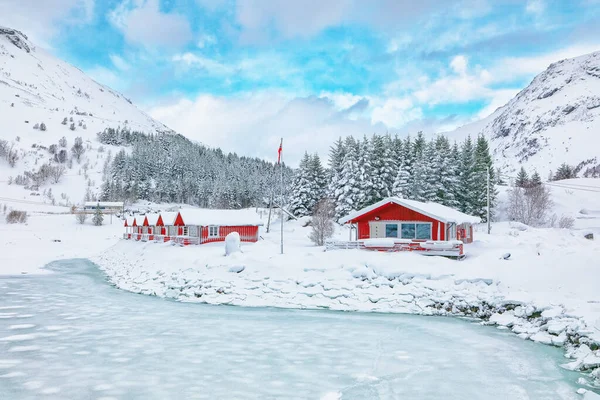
(199, 226)
(149, 226)
(131, 228)
(402, 224)
(165, 228)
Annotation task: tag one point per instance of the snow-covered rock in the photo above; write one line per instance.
(232, 243)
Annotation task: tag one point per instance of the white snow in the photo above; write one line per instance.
(232, 244)
(204, 217)
(433, 210)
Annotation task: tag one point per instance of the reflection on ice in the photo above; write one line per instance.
(86, 339)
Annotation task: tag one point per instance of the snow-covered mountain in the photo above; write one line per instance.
(555, 119)
(36, 88)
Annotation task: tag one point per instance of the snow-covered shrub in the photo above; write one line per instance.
(42, 126)
(64, 121)
(78, 148)
(52, 149)
(63, 140)
(322, 222)
(58, 171)
(232, 243)
(36, 126)
(72, 127)
(81, 217)
(529, 205)
(16, 217)
(566, 222)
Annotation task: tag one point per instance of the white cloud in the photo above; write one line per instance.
(106, 77)
(203, 63)
(396, 112)
(536, 7)
(459, 65)
(252, 123)
(119, 62)
(143, 23)
(206, 41)
(41, 20)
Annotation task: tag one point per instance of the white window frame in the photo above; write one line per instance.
(415, 223)
(213, 231)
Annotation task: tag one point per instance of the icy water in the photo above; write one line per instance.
(70, 335)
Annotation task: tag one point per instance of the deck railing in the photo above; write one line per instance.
(452, 248)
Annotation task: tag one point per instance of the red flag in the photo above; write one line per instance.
(279, 152)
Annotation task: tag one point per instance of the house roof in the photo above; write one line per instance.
(203, 217)
(168, 218)
(151, 219)
(103, 203)
(433, 210)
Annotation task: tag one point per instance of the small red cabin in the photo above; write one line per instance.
(410, 219)
(198, 226)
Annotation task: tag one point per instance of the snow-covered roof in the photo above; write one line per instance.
(103, 203)
(433, 210)
(152, 219)
(168, 217)
(205, 217)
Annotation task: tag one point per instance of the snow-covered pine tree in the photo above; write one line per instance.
(98, 216)
(522, 180)
(364, 177)
(467, 185)
(318, 181)
(483, 162)
(336, 159)
(346, 198)
(418, 146)
(383, 164)
(445, 179)
(536, 179)
(430, 161)
(301, 201)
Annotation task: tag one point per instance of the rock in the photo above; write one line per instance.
(589, 236)
(237, 268)
(232, 243)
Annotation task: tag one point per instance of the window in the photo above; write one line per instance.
(408, 231)
(416, 231)
(186, 231)
(423, 231)
(391, 230)
(213, 231)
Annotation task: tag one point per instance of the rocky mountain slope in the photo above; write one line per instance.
(36, 88)
(555, 119)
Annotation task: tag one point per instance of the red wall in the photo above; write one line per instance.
(395, 212)
(247, 233)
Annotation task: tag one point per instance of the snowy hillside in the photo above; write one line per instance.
(36, 88)
(555, 119)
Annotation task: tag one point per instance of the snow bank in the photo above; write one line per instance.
(547, 292)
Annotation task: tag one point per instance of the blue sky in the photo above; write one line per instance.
(241, 73)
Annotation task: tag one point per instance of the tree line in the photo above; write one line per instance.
(364, 171)
(166, 167)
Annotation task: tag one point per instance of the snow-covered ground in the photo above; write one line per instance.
(48, 236)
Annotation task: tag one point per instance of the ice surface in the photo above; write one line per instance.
(122, 345)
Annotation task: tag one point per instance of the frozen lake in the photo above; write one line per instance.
(71, 335)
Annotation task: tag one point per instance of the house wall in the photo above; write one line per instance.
(395, 212)
(247, 233)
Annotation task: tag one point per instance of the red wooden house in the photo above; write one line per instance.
(131, 228)
(165, 228)
(398, 224)
(149, 226)
(199, 226)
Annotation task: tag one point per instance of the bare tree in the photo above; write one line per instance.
(78, 148)
(81, 217)
(322, 222)
(530, 205)
(58, 171)
(16, 217)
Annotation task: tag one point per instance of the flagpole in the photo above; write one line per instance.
(281, 201)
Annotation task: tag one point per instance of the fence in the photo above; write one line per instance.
(452, 248)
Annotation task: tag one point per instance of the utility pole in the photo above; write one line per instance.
(489, 227)
(281, 202)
